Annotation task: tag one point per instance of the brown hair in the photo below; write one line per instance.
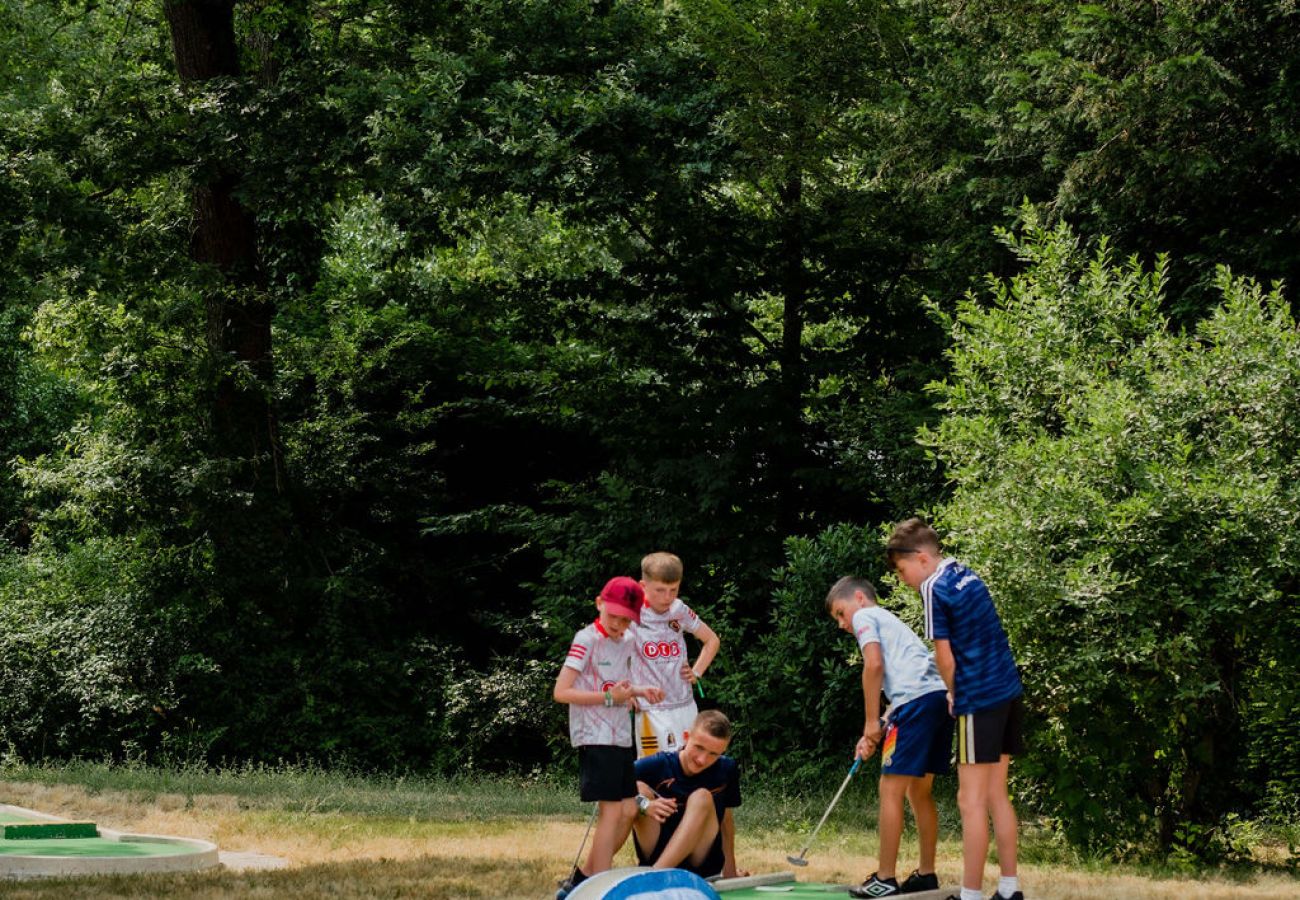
(912, 534)
(661, 566)
(713, 722)
(844, 588)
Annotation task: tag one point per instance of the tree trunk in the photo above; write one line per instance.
(794, 288)
(225, 237)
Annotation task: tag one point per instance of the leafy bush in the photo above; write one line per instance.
(1130, 493)
(90, 661)
(797, 693)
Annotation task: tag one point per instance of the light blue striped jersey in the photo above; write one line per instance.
(910, 671)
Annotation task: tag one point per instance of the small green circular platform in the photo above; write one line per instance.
(34, 845)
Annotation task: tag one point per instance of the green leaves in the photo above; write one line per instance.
(1130, 491)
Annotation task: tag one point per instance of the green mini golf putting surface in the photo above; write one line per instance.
(69, 847)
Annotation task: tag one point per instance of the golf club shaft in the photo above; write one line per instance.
(591, 821)
(834, 800)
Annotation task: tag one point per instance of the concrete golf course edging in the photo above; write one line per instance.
(174, 854)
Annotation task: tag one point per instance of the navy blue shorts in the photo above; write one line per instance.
(606, 773)
(919, 739)
(714, 860)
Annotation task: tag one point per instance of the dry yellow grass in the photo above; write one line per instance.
(346, 855)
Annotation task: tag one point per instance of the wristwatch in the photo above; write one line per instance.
(642, 804)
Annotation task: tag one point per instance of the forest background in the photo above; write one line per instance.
(348, 347)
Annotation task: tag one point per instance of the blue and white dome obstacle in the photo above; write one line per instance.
(642, 883)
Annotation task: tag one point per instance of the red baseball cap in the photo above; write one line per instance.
(623, 596)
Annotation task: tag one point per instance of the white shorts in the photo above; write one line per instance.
(663, 729)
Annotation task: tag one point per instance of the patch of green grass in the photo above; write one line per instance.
(305, 789)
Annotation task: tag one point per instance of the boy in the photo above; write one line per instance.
(685, 800)
(595, 682)
(661, 642)
(918, 738)
(974, 660)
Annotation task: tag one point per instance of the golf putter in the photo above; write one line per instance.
(591, 821)
(799, 860)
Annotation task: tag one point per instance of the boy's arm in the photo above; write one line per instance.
(946, 664)
(945, 661)
(619, 694)
(873, 676)
(729, 868)
(565, 692)
(709, 638)
(659, 808)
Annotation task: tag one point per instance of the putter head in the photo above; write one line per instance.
(796, 860)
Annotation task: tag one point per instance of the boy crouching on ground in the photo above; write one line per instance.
(595, 682)
(685, 798)
(916, 741)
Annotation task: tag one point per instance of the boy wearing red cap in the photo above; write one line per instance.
(595, 682)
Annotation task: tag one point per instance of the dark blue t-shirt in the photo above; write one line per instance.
(958, 609)
(663, 772)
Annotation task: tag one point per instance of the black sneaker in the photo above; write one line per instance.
(1016, 896)
(875, 886)
(917, 882)
(568, 884)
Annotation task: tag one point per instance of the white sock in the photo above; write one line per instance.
(1008, 885)
(971, 894)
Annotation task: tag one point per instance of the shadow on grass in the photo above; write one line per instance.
(428, 877)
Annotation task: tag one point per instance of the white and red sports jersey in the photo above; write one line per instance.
(602, 662)
(661, 646)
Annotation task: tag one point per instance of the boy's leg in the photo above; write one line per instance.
(926, 813)
(1005, 825)
(893, 788)
(973, 781)
(613, 822)
(694, 835)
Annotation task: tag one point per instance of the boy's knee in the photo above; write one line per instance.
(896, 785)
(699, 796)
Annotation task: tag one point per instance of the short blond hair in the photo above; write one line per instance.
(661, 566)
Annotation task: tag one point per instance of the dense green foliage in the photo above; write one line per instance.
(1131, 492)
(340, 366)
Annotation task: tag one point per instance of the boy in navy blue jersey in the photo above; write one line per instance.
(917, 741)
(974, 660)
(685, 798)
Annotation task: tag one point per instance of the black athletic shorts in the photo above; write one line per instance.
(606, 773)
(713, 862)
(984, 735)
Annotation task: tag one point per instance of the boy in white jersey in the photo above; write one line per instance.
(916, 741)
(661, 645)
(596, 683)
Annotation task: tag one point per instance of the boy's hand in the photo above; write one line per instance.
(688, 674)
(622, 692)
(653, 694)
(950, 704)
(661, 808)
(865, 748)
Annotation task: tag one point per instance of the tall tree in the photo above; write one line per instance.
(239, 311)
